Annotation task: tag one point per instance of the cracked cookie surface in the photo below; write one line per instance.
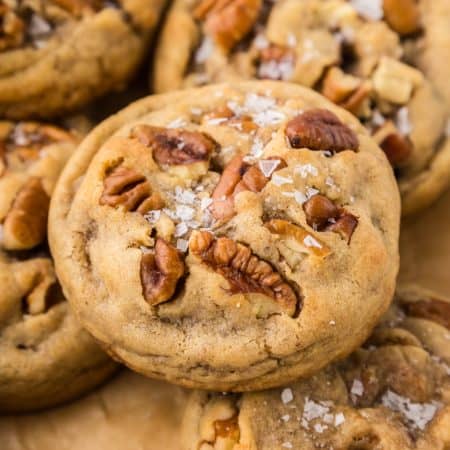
(384, 61)
(57, 55)
(215, 253)
(45, 355)
(393, 393)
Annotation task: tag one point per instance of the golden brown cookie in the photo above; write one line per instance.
(45, 356)
(353, 52)
(229, 237)
(57, 55)
(391, 394)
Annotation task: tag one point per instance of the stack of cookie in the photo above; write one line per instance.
(236, 234)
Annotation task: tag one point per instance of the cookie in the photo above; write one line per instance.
(230, 237)
(57, 55)
(45, 356)
(353, 52)
(391, 394)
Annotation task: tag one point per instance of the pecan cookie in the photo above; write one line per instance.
(57, 55)
(358, 53)
(393, 393)
(229, 237)
(45, 355)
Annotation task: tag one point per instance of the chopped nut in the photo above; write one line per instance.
(25, 225)
(397, 147)
(395, 81)
(320, 129)
(238, 176)
(244, 271)
(431, 309)
(403, 16)
(226, 115)
(228, 21)
(160, 272)
(303, 237)
(78, 7)
(323, 215)
(12, 28)
(174, 146)
(227, 429)
(130, 189)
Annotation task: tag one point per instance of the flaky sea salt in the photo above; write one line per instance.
(204, 51)
(185, 196)
(357, 388)
(339, 419)
(261, 42)
(216, 121)
(153, 216)
(319, 428)
(181, 229)
(182, 245)
(313, 410)
(177, 123)
(369, 9)
(279, 180)
(306, 169)
(402, 121)
(287, 395)
(205, 203)
(269, 117)
(268, 166)
(185, 212)
(286, 445)
(276, 70)
(417, 414)
(285, 418)
(311, 192)
(300, 197)
(309, 241)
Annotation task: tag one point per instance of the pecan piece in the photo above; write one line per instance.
(12, 28)
(228, 21)
(323, 215)
(397, 147)
(238, 176)
(431, 309)
(226, 115)
(173, 146)
(2, 158)
(78, 7)
(320, 129)
(126, 187)
(403, 16)
(244, 271)
(160, 272)
(25, 225)
(228, 429)
(308, 242)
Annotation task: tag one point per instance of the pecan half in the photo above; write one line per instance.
(228, 21)
(238, 176)
(244, 271)
(173, 146)
(403, 16)
(323, 215)
(160, 272)
(308, 242)
(12, 28)
(130, 189)
(25, 225)
(320, 129)
(431, 309)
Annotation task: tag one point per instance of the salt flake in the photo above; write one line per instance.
(357, 388)
(287, 395)
(268, 166)
(369, 9)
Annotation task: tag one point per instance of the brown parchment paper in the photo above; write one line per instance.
(134, 413)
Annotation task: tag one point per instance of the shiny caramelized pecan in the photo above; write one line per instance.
(431, 309)
(228, 21)
(130, 189)
(320, 129)
(288, 230)
(238, 176)
(12, 28)
(160, 272)
(244, 271)
(397, 147)
(25, 225)
(403, 16)
(173, 146)
(323, 215)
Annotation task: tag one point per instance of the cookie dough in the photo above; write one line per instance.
(45, 356)
(361, 54)
(230, 237)
(57, 55)
(391, 394)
